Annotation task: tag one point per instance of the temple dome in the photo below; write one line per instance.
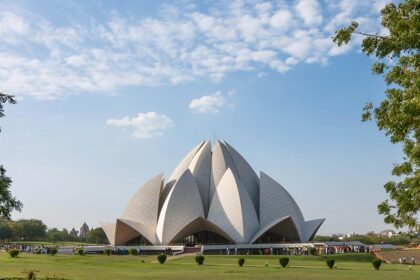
(213, 193)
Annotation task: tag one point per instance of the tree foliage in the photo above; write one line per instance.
(97, 236)
(36, 230)
(8, 203)
(28, 229)
(54, 235)
(5, 98)
(398, 115)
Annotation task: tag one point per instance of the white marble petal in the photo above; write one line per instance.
(276, 202)
(247, 176)
(109, 229)
(200, 168)
(182, 206)
(232, 210)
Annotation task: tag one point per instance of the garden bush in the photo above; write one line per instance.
(13, 253)
(161, 258)
(53, 251)
(241, 261)
(132, 252)
(31, 275)
(284, 261)
(107, 252)
(330, 263)
(376, 263)
(80, 251)
(199, 259)
(313, 251)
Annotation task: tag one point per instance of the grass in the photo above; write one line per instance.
(215, 267)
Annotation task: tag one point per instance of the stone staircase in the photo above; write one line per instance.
(191, 250)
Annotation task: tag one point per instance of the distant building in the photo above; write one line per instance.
(84, 229)
(74, 233)
(388, 233)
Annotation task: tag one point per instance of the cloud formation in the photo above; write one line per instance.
(45, 60)
(145, 125)
(208, 103)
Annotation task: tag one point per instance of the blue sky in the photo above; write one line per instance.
(111, 93)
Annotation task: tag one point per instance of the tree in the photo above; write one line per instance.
(8, 203)
(398, 115)
(97, 236)
(55, 234)
(5, 230)
(5, 98)
(30, 229)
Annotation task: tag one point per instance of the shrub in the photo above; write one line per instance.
(376, 263)
(53, 251)
(31, 275)
(132, 252)
(241, 261)
(161, 258)
(284, 261)
(80, 251)
(199, 259)
(13, 253)
(107, 252)
(313, 251)
(330, 263)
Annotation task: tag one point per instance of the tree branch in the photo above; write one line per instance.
(370, 35)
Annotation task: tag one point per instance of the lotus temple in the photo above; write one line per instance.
(213, 196)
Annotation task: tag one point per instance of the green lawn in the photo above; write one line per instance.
(215, 267)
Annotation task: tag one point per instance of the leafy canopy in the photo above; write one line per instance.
(5, 98)
(8, 203)
(398, 115)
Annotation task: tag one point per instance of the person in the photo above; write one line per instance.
(404, 259)
(413, 260)
(400, 259)
(227, 251)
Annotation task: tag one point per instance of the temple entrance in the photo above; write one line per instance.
(272, 237)
(202, 237)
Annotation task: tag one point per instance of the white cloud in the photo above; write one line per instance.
(12, 23)
(145, 125)
(174, 46)
(261, 74)
(309, 11)
(209, 103)
(281, 19)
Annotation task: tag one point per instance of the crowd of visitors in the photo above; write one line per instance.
(29, 249)
(285, 250)
(342, 249)
(403, 260)
(168, 251)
